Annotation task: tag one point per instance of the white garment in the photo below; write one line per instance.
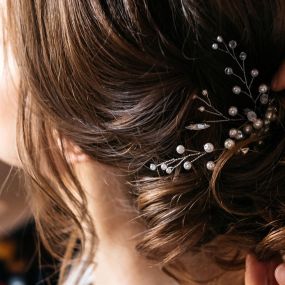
(87, 278)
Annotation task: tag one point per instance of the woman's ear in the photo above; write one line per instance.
(278, 81)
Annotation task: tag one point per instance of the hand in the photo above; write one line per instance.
(264, 273)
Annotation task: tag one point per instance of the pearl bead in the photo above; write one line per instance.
(219, 39)
(229, 71)
(215, 46)
(163, 166)
(258, 124)
(233, 133)
(247, 129)
(243, 55)
(168, 170)
(152, 167)
(210, 165)
(232, 44)
(251, 116)
(205, 92)
(236, 89)
(239, 135)
(264, 99)
(180, 149)
(209, 147)
(229, 143)
(254, 73)
(187, 165)
(263, 88)
(233, 111)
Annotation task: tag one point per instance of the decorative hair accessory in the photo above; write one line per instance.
(253, 121)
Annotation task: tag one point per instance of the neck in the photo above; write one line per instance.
(108, 203)
(116, 228)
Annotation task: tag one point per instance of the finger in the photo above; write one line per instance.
(280, 274)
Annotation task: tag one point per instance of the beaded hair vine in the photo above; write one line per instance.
(255, 120)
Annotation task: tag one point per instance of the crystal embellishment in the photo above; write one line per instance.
(198, 127)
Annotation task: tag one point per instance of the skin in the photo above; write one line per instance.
(116, 229)
(13, 209)
(8, 105)
(267, 273)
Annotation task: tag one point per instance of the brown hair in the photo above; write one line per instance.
(117, 78)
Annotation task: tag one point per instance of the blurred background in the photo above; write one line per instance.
(23, 261)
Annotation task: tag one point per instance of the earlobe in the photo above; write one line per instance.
(278, 81)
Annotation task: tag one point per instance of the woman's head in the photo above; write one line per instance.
(117, 78)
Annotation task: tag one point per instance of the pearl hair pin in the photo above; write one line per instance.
(252, 121)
